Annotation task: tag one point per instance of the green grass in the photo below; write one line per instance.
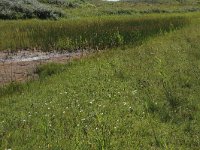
(129, 8)
(55, 9)
(141, 97)
(90, 33)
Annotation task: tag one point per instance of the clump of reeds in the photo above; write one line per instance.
(92, 33)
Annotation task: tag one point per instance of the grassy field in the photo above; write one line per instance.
(139, 97)
(130, 8)
(55, 9)
(88, 33)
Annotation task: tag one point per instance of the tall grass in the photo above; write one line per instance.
(91, 33)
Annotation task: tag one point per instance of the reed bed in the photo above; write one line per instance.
(88, 33)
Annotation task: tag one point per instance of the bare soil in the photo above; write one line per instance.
(20, 66)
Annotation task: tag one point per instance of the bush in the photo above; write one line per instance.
(68, 3)
(21, 9)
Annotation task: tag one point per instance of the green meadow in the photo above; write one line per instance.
(143, 96)
(137, 88)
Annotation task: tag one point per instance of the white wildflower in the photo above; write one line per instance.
(125, 103)
(134, 92)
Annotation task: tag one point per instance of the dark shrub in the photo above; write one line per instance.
(21, 9)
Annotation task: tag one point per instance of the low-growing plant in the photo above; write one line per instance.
(49, 70)
(11, 88)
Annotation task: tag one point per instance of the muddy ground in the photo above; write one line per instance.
(20, 66)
